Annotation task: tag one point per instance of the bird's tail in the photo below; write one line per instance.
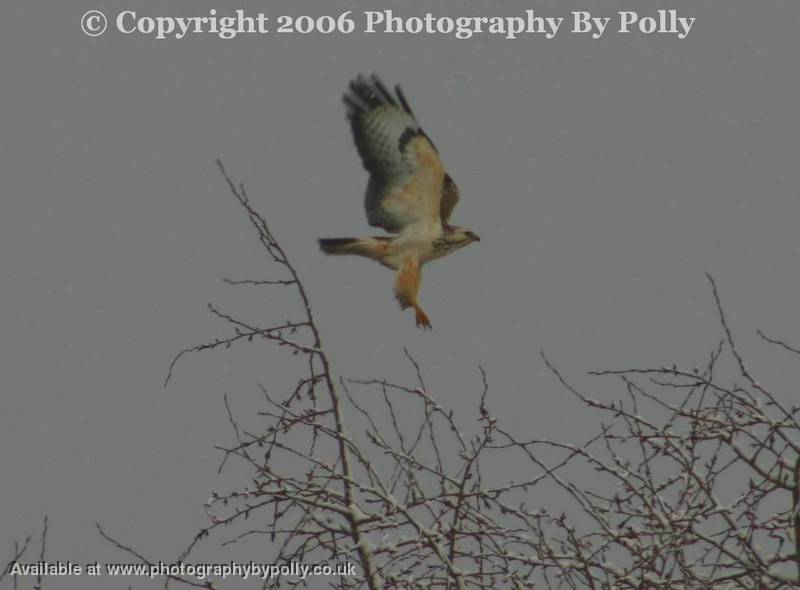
(339, 245)
(374, 248)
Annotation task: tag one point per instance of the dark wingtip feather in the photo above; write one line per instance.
(382, 90)
(403, 100)
(365, 93)
(352, 104)
(362, 89)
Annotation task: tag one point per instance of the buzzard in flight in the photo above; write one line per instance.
(408, 193)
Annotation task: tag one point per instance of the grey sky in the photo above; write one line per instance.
(604, 178)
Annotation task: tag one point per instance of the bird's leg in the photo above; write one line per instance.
(406, 288)
(422, 318)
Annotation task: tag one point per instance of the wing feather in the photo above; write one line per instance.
(450, 199)
(403, 101)
(407, 177)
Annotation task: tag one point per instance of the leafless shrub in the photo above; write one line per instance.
(697, 483)
(19, 552)
(695, 479)
(405, 499)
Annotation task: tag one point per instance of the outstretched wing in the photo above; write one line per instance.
(406, 175)
(450, 198)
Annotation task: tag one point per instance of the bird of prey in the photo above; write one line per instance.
(408, 193)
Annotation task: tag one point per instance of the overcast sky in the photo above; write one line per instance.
(605, 177)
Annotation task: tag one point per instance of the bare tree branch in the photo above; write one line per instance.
(695, 475)
(19, 551)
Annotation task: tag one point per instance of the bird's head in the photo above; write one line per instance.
(458, 237)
